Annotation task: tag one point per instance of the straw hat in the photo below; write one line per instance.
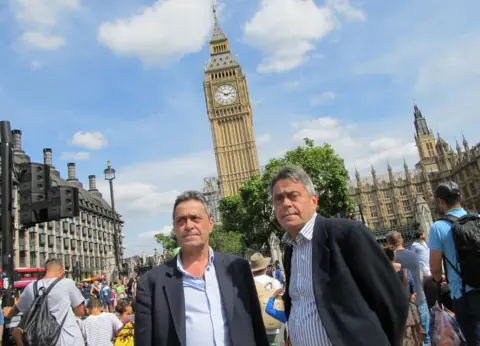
(258, 262)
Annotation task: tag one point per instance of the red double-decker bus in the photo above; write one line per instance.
(23, 276)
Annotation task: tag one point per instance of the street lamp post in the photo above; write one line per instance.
(110, 175)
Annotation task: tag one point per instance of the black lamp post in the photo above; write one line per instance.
(110, 176)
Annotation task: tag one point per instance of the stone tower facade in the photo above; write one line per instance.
(230, 114)
(391, 199)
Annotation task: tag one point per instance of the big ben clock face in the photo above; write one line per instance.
(226, 94)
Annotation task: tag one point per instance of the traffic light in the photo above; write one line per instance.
(42, 202)
(63, 202)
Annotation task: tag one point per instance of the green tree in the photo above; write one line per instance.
(168, 243)
(226, 241)
(251, 212)
(220, 240)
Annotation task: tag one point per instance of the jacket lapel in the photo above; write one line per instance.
(176, 301)
(225, 284)
(320, 255)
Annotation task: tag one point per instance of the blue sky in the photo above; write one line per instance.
(122, 81)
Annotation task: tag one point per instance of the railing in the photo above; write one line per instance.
(407, 231)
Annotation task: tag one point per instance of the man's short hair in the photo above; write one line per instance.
(449, 192)
(296, 174)
(51, 262)
(94, 303)
(394, 238)
(191, 196)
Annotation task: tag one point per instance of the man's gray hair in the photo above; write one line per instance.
(191, 196)
(295, 173)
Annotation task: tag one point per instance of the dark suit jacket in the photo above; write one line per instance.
(359, 297)
(160, 304)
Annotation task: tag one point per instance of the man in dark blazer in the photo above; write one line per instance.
(200, 297)
(341, 289)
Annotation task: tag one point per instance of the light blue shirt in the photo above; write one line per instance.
(205, 318)
(304, 324)
(420, 247)
(441, 239)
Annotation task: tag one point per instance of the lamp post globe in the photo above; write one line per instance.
(109, 172)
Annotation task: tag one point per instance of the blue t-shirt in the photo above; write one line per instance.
(410, 261)
(441, 239)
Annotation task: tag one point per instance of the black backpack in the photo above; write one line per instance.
(466, 238)
(40, 326)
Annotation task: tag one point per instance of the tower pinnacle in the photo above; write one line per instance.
(218, 35)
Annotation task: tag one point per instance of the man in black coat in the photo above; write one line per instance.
(201, 297)
(341, 289)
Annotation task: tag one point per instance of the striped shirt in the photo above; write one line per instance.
(304, 324)
(99, 330)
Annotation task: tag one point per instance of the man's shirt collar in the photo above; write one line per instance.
(180, 264)
(306, 232)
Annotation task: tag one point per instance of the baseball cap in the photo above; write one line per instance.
(447, 190)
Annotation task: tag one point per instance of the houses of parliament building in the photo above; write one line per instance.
(388, 200)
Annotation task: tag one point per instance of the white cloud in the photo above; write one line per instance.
(262, 139)
(90, 140)
(81, 155)
(323, 98)
(355, 149)
(166, 230)
(40, 18)
(286, 31)
(150, 188)
(41, 41)
(160, 33)
(347, 11)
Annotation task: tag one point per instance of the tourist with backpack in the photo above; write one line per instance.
(49, 306)
(455, 243)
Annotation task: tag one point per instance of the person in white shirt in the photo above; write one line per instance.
(420, 247)
(259, 266)
(99, 328)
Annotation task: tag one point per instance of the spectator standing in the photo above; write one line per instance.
(409, 260)
(99, 328)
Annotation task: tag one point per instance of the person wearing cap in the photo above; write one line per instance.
(341, 289)
(259, 266)
(466, 305)
(200, 297)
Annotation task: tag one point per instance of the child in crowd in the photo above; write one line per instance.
(99, 328)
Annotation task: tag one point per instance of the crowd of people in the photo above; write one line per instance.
(336, 286)
(94, 314)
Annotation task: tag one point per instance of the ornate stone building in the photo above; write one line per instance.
(86, 240)
(230, 114)
(391, 199)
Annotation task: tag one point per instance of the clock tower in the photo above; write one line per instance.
(230, 114)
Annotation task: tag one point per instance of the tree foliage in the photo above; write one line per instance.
(251, 212)
(220, 240)
(168, 243)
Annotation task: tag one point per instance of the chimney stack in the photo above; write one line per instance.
(17, 140)
(92, 183)
(47, 157)
(72, 174)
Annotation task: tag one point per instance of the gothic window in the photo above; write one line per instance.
(403, 191)
(386, 194)
(373, 211)
(389, 208)
(419, 188)
(406, 206)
